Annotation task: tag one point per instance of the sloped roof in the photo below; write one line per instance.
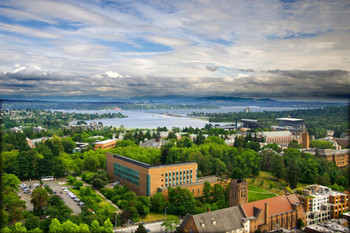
(277, 205)
(223, 220)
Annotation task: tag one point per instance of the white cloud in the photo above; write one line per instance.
(209, 41)
(113, 74)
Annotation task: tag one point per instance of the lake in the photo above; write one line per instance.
(154, 118)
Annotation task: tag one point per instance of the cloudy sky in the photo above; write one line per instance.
(119, 49)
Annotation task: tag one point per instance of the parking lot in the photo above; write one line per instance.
(56, 186)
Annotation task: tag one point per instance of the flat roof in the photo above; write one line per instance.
(249, 120)
(200, 180)
(106, 141)
(289, 119)
(145, 165)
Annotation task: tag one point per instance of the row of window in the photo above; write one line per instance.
(126, 173)
(178, 177)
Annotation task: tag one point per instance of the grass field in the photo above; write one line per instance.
(255, 193)
(101, 204)
(267, 181)
(154, 217)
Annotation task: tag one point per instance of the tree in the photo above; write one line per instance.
(141, 229)
(39, 200)
(292, 174)
(277, 166)
(321, 144)
(107, 226)
(207, 192)
(19, 228)
(181, 201)
(300, 223)
(55, 226)
(100, 179)
(95, 227)
(170, 223)
(68, 145)
(218, 193)
(143, 205)
(83, 228)
(69, 226)
(78, 184)
(219, 166)
(294, 144)
(32, 222)
(158, 202)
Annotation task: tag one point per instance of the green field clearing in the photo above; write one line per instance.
(101, 204)
(255, 193)
(155, 217)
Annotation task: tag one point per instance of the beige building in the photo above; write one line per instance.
(146, 180)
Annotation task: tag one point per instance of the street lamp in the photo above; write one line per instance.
(165, 213)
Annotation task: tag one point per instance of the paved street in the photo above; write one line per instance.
(55, 186)
(153, 227)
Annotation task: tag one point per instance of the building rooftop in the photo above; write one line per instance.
(280, 204)
(277, 133)
(145, 165)
(289, 119)
(210, 179)
(224, 220)
(106, 141)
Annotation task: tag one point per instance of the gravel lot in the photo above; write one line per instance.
(55, 186)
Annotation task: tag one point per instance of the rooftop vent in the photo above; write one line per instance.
(213, 221)
(202, 224)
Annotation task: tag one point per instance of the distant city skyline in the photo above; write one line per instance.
(122, 49)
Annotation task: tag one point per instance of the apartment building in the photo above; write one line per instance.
(322, 203)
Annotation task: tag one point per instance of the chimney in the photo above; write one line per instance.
(266, 213)
(208, 209)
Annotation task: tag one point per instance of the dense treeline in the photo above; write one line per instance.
(317, 120)
(18, 104)
(50, 120)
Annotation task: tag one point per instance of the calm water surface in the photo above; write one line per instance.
(155, 118)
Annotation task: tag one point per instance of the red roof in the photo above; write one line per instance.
(276, 205)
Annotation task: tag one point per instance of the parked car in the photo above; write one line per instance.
(81, 203)
(76, 199)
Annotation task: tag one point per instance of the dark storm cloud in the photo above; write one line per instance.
(272, 83)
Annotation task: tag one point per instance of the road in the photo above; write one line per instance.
(153, 227)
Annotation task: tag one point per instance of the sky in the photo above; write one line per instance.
(121, 49)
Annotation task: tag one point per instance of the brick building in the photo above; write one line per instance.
(264, 215)
(146, 180)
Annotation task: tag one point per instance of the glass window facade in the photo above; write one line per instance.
(127, 174)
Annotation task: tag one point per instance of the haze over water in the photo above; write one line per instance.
(155, 118)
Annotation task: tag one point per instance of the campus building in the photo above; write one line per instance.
(110, 143)
(322, 203)
(243, 217)
(146, 180)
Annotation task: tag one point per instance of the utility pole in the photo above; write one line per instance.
(165, 213)
(236, 127)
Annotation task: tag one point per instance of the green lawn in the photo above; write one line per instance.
(255, 193)
(101, 204)
(267, 181)
(154, 217)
